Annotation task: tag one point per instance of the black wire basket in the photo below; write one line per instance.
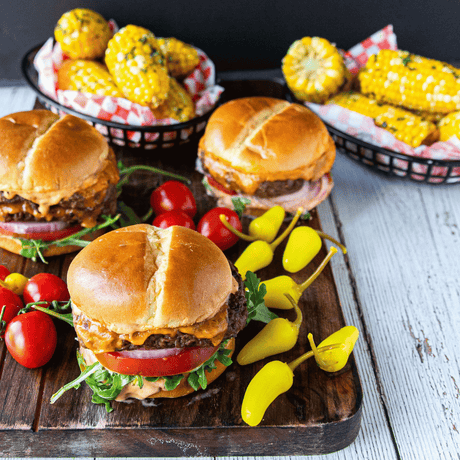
(390, 162)
(144, 137)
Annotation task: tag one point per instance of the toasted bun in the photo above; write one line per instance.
(44, 158)
(14, 245)
(142, 277)
(252, 140)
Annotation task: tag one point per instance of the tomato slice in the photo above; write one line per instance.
(213, 183)
(185, 360)
(45, 236)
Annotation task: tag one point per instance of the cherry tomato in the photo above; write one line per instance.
(4, 272)
(45, 236)
(213, 183)
(169, 218)
(45, 287)
(12, 302)
(185, 360)
(211, 226)
(31, 338)
(173, 196)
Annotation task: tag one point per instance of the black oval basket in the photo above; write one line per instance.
(391, 162)
(144, 137)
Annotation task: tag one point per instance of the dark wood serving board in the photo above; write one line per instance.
(321, 413)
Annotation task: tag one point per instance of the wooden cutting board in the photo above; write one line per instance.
(321, 413)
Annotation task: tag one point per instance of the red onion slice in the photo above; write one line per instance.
(33, 227)
(148, 354)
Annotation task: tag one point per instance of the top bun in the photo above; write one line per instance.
(44, 158)
(143, 277)
(252, 140)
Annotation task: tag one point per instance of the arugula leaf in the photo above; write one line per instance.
(33, 249)
(206, 185)
(255, 293)
(305, 216)
(239, 204)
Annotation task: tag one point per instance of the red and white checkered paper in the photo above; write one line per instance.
(363, 127)
(200, 84)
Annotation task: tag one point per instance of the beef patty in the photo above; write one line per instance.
(76, 209)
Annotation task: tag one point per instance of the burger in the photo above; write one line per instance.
(156, 312)
(57, 176)
(268, 151)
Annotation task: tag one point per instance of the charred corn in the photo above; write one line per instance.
(357, 103)
(411, 81)
(82, 34)
(314, 69)
(178, 106)
(181, 58)
(403, 124)
(449, 126)
(137, 65)
(87, 77)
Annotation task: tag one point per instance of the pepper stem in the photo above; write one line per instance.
(229, 226)
(315, 351)
(316, 273)
(333, 240)
(274, 244)
(298, 321)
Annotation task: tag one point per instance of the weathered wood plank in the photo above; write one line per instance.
(403, 247)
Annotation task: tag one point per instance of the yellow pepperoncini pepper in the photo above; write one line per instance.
(302, 246)
(278, 336)
(279, 286)
(336, 349)
(276, 377)
(259, 253)
(15, 282)
(264, 227)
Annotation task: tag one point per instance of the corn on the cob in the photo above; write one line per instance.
(87, 77)
(135, 61)
(181, 58)
(82, 34)
(178, 106)
(314, 69)
(449, 126)
(403, 124)
(411, 81)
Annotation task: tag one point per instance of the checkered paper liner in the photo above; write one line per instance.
(200, 84)
(363, 128)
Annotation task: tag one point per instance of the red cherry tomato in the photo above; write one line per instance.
(173, 196)
(167, 219)
(4, 272)
(213, 183)
(12, 303)
(183, 360)
(45, 287)
(45, 236)
(211, 226)
(31, 338)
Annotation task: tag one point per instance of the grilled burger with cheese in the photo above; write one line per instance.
(155, 309)
(57, 175)
(269, 151)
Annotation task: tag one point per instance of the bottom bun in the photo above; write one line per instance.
(12, 244)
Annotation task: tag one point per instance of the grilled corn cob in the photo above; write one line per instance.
(137, 65)
(181, 58)
(404, 125)
(314, 69)
(411, 81)
(82, 34)
(87, 77)
(178, 106)
(449, 126)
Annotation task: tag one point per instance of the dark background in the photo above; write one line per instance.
(244, 34)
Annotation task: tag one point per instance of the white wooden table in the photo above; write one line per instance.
(400, 286)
